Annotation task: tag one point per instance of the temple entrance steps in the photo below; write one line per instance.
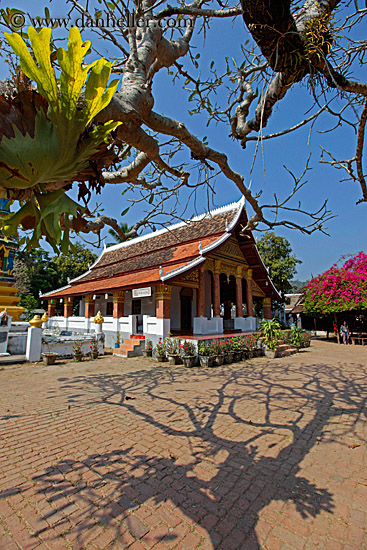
(284, 350)
(131, 347)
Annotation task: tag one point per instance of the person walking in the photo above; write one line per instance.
(344, 332)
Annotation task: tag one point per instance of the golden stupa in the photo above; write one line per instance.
(8, 290)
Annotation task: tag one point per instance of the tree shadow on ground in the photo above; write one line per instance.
(207, 458)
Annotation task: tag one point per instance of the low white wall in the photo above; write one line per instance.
(245, 323)
(202, 325)
(155, 328)
(17, 343)
(125, 326)
(65, 348)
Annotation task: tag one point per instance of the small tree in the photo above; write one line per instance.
(30, 303)
(277, 255)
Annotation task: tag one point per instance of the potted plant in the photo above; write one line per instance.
(148, 349)
(188, 351)
(77, 351)
(206, 355)
(250, 342)
(236, 347)
(117, 344)
(172, 347)
(48, 357)
(271, 332)
(227, 350)
(306, 339)
(218, 352)
(159, 351)
(93, 353)
(295, 337)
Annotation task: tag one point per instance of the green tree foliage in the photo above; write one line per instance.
(74, 263)
(40, 273)
(30, 303)
(298, 286)
(277, 255)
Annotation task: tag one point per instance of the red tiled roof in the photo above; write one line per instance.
(122, 281)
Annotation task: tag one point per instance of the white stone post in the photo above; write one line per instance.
(34, 344)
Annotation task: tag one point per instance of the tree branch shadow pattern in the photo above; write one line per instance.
(208, 459)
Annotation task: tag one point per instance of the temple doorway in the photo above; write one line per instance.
(186, 296)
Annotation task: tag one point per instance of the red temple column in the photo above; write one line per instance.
(267, 308)
(118, 304)
(216, 289)
(239, 309)
(68, 306)
(201, 294)
(163, 301)
(89, 306)
(249, 298)
(51, 307)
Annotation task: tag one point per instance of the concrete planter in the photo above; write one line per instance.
(228, 358)
(147, 353)
(49, 358)
(174, 359)
(93, 354)
(271, 353)
(206, 360)
(237, 356)
(160, 358)
(218, 360)
(189, 360)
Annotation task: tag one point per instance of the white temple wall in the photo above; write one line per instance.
(175, 307)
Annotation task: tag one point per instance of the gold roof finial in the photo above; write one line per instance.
(98, 320)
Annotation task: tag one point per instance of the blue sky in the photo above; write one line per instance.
(347, 231)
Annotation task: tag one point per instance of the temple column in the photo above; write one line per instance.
(239, 309)
(118, 304)
(249, 299)
(216, 289)
(68, 307)
(163, 301)
(201, 293)
(267, 308)
(89, 306)
(51, 307)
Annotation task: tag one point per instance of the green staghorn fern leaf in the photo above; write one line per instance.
(63, 141)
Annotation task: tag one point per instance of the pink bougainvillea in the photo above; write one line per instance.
(338, 289)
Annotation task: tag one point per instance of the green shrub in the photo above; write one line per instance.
(270, 329)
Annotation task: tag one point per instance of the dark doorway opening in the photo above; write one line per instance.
(186, 296)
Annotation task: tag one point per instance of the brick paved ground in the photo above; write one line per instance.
(115, 454)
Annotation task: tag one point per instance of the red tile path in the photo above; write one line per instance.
(115, 454)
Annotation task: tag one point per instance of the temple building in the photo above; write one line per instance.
(8, 290)
(203, 276)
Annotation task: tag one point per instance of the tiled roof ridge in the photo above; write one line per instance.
(210, 214)
(217, 211)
